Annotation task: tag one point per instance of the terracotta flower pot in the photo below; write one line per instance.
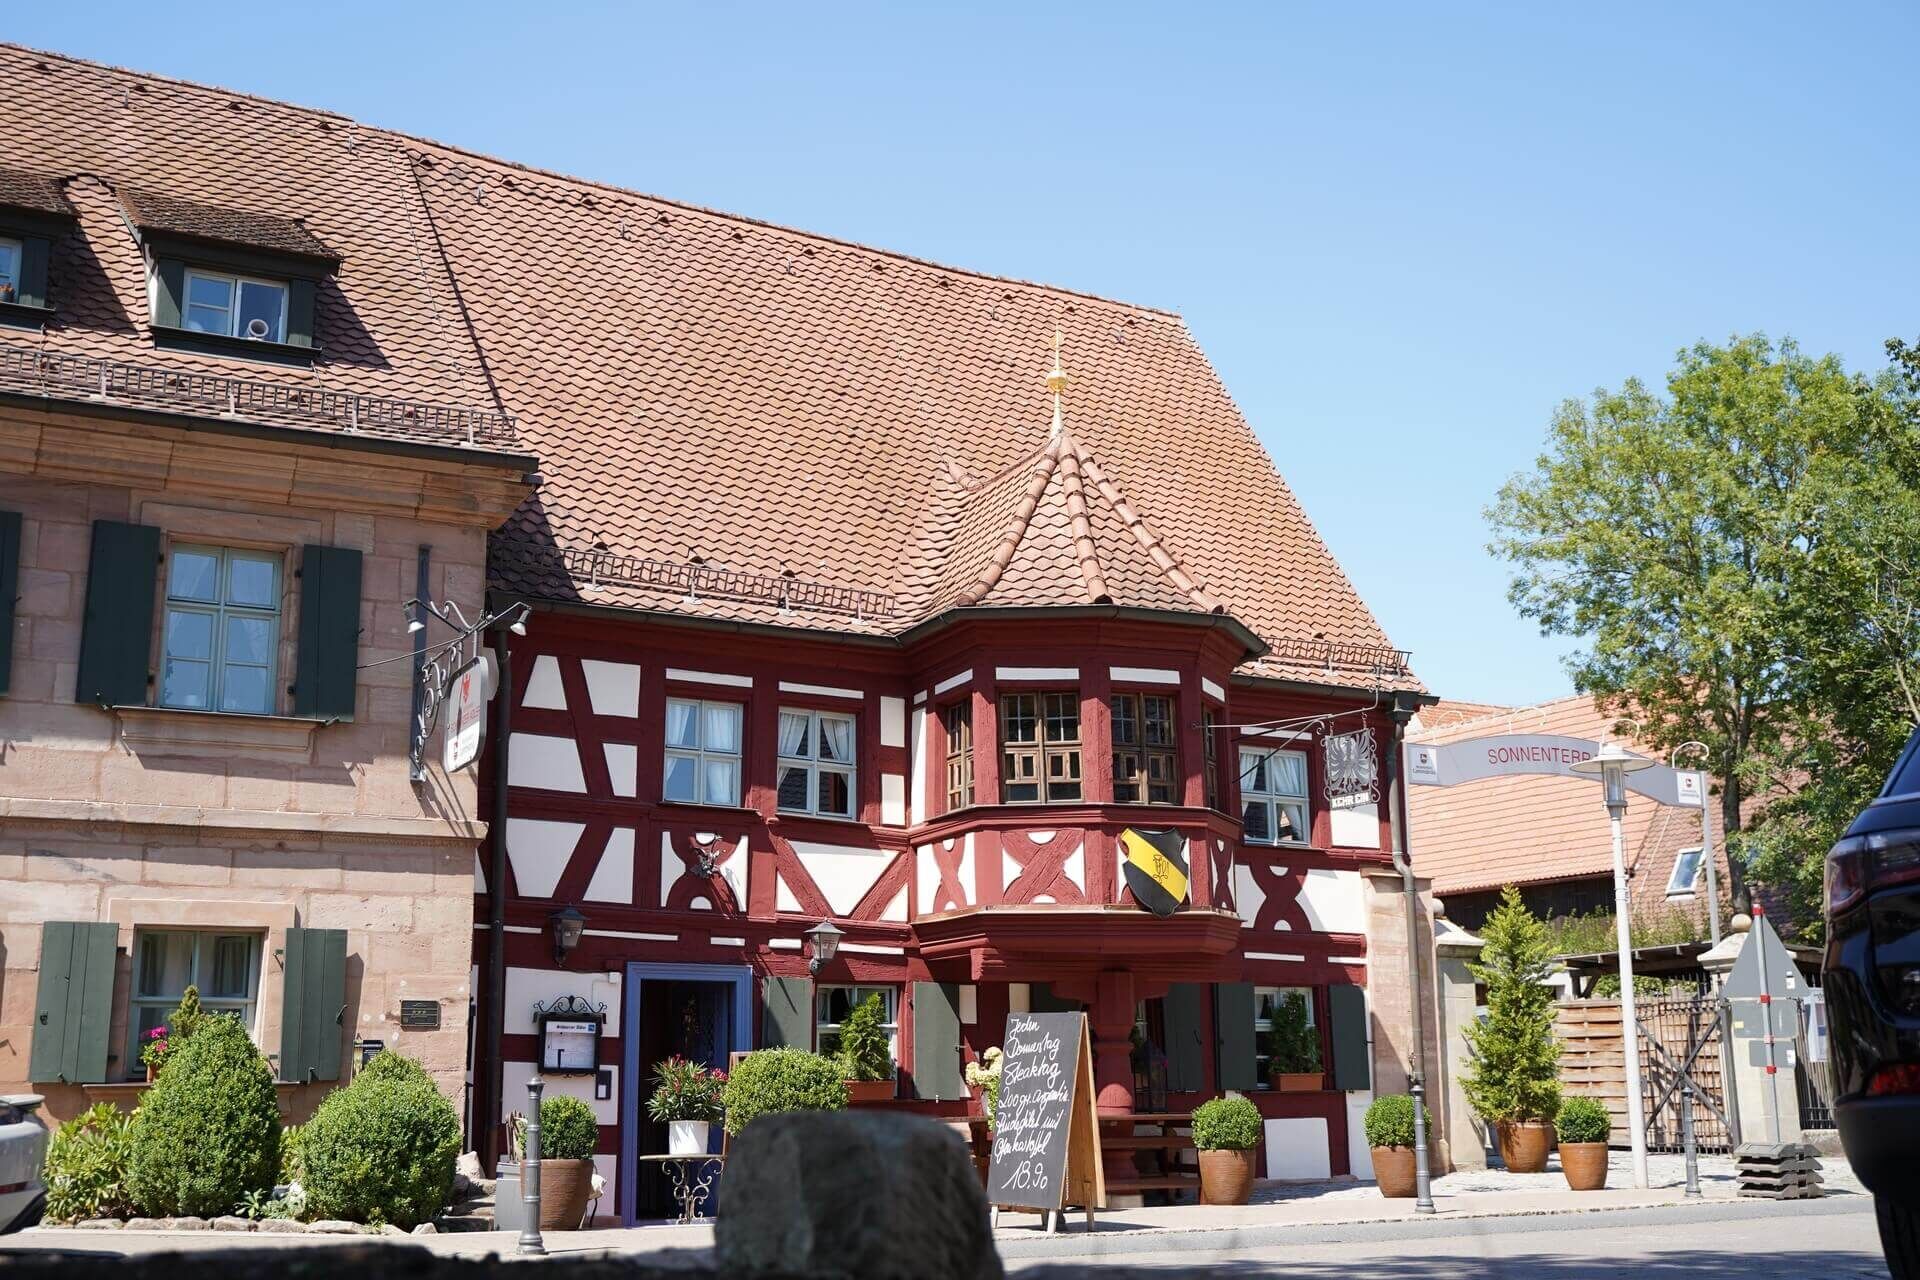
(1585, 1164)
(565, 1188)
(1298, 1081)
(1226, 1177)
(1393, 1170)
(863, 1092)
(1524, 1145)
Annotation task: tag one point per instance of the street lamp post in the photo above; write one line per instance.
(1611, 766)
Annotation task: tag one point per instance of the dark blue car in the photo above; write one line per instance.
(1873, 1003)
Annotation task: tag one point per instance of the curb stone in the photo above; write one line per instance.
(280, 1226)
(99, 1224)
(183, 1224)
(231, 1222)
(334, 1227)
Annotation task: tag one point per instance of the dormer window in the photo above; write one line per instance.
(236, 306)
(10, 255)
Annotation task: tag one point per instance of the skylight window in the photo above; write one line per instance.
(236, 306)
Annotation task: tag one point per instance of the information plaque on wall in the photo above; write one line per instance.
(420, 1015)
(1046, 1145)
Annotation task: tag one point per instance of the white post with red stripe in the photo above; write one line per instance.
(1766, 1023)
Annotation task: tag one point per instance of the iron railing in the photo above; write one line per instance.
(86, 379)
(1330, 654)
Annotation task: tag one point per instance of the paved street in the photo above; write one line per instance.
(1830, 1240)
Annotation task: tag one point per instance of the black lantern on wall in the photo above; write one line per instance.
(567, 925)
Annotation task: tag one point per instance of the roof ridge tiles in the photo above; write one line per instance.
(1081, 526)
(1150, 542)
(1012, 532)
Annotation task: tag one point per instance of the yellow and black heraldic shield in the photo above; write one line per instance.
(1156, 868)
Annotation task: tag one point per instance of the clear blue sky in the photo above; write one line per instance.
(1402, 232)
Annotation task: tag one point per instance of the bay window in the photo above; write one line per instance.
(957, 720)
(703, 752)
(1039, 747)
(1145, 766)
(816, 768)
(1273, 796)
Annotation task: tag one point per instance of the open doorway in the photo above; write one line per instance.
(694, 1011)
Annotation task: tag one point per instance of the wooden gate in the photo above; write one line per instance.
(1680, 1034)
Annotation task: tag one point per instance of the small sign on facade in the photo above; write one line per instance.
(469, 690)
(569, 1030)
(420, 1015)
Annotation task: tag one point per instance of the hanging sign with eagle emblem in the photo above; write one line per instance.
(1156, 868)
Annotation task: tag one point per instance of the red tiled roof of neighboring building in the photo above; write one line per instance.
(155, 211)
(1534, 828)
(722, 407)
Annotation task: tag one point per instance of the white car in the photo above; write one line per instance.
(23, 1153)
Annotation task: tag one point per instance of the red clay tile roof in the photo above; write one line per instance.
(155, 211)
(725, 411)
(388, 322)
(35, 192)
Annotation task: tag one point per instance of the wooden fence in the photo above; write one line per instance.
(1593, 1065)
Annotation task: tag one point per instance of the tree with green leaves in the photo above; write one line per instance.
(1513, 1071)
(1710, 545)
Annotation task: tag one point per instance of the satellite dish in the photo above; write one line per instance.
(257, 329)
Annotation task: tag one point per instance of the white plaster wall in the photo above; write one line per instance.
(842, 874)
(612, 687)
(546, 762)
(526, 987)
(613, 878)
(544, 689)
(1334, 901)
(1297, 1148)
(1357, 828)
(539, 850)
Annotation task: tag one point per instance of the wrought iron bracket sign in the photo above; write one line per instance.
(457, 671)
(569, 1030)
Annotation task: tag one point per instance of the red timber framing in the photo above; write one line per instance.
(996, 900)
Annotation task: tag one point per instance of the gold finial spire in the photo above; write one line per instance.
(1057, 383)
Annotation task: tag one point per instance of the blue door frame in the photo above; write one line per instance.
(739, 977)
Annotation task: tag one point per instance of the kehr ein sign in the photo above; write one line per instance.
(467, 697)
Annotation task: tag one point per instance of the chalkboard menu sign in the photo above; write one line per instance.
(1046, 1149)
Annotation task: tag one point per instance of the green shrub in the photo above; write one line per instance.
(382, 1149)
(291, 1168)
(568, 1129)
(1514, 1072)
(864, 1051)
(388, 1065)
(1389, 1121)
(1583, 1120)
(1231, 1123)
(86, 1172)
(773, 1080)
(208, 1131)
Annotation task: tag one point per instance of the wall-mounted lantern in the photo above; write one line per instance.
(826, 944)
(567, 924)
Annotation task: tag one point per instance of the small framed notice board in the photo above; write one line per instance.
(1046, 1137)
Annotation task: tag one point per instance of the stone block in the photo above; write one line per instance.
(370, 912)
(232, 1222)
(866, 1193)
(273, 1226)
(146, 1224)
(45, 593)
(99, 1224)
(334, 1227)
(193, 865)
(185, 1224)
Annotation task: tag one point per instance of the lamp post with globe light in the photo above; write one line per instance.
(1611, 765)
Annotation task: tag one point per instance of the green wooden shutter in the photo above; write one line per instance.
(936, 1041)
(1347, 1028)
(116, 637)
(329, 632)
(1233, 1035)
(9, 588)
(300, 312)
(313, 1005)
(33, 271)
(786, 1017)
(1186, 1058)
(74, 1005)
(170, 280)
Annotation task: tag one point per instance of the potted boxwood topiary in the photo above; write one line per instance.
(770, 1080)
(686, 1098)
(568, 1135)
(866, 1058)
(1583, 1126)
(1295, 1064)
(1225, 1131)
(1513, 1078)
(1389, 1127)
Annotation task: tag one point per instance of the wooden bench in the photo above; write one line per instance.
(1121, 1135)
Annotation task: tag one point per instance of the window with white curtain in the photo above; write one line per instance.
(224, 966)
(703, 752)
(1273, 796)
(816, 763)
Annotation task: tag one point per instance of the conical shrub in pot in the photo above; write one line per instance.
(1512, 1080)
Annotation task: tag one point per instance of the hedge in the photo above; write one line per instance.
(208, 1131)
